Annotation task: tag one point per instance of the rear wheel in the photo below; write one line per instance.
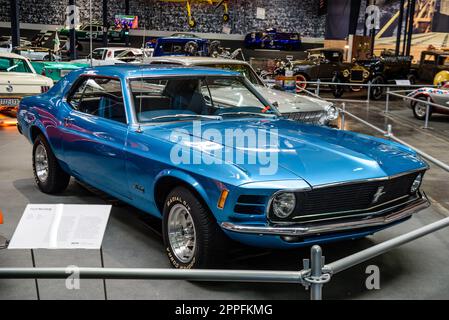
(192, 237)
(377, 91)
(420, 108)
(49, 176)
(301, 82)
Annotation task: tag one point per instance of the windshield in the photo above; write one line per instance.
(196, 98)
(241, 68)
(14, 65)
(98, 54)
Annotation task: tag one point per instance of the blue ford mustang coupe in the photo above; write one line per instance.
(202, 150)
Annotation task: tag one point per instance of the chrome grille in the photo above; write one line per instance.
(356, 75)
(343, 200)
(312, 117)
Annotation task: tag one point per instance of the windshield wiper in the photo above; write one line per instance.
(249, 114)
(186, 115)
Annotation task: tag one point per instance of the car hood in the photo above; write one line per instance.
(318, 155)
(290, 102)
(22, 78)
(304, 63)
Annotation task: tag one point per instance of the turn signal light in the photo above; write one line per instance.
(1, 217)
(222, 200)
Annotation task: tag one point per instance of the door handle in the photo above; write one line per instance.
(68, 120)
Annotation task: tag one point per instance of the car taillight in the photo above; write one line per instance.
(43, 73)
(44, 89)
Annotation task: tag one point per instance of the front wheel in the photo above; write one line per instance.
(337, 90)
(192, 237)
(49, 176)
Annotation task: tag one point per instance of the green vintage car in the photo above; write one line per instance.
(56, 69)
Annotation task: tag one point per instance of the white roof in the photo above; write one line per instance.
(114, 48)
(185, 60)
(11, 55)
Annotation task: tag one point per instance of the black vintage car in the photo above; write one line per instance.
(430, 64)
(377, 70)
(321, 63)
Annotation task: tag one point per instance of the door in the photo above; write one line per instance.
(427, 67)
(329, 64)
(94, 133)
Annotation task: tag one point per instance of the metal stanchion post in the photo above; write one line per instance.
(389, 132)
(316, 261)
(426, 123)
(343, 108)
(387, 100)
(317, 91)
(369, 92)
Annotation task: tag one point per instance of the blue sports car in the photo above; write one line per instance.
(203, 151)
(271, 39)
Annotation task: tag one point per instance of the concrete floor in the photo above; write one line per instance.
(414, 271)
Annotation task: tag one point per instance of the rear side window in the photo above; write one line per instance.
(101, 97)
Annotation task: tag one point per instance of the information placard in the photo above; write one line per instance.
(59, 226)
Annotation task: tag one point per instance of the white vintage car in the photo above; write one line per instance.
(113, 55)
(293, 106)
(18, 79)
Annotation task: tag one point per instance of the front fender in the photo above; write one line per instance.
(184, 176)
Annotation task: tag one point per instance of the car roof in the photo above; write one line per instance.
(183, 38)
(134, 71)
(436, 52)
(115, 48)
(11, 55)
(325, 49)
(187, 60)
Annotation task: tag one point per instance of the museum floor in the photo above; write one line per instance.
(414, 271)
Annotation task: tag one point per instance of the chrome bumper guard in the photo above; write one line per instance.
(314, 229)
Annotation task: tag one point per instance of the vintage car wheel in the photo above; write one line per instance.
(420, 108)
(377, 91)
(49, 176)
(301, 82)
(411, 78)
(192, 237)
(337, 90)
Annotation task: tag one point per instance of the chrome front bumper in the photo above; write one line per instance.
(331, 227)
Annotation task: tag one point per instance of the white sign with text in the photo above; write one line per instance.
(59, 226)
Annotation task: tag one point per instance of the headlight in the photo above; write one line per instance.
(332, 113)
(365, 74)
(346, 73)
(283, 204)
(416, 183)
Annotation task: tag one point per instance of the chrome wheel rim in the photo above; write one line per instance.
(420, 109)
(41, 163)
(181, 233)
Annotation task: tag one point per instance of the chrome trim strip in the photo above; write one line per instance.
(314, 229)
(367, 209)
(369, 180)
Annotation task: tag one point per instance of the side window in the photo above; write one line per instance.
(98, 54)
(429, 59)
(101, 97)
